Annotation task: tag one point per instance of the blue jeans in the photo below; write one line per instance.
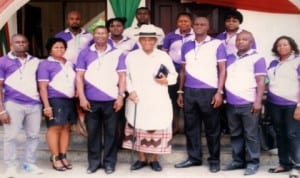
(243, 127)
(287, 134)
(29, 118)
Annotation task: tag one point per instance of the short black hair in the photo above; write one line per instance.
(143, 8)
(52, 41)
(122, 20)
(99, 26)
(184, 14)
(234, 14)
(291, 41)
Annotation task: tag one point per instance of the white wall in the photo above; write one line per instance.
(267, 27)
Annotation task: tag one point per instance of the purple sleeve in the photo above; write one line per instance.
(183, 51)
(63, 35)
(166, 42)
(221, 36)
(43, 73)
(273, 64)
(121, 64)
(186, 47)
(298, 71)
(221, 53)
(2, 69)
(136, 46)
(81, 63)
(260, 67)
(253, 45)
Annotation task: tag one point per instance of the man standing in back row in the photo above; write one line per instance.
(233, 19)
(76, 37)
(142, 16)
(201, 82)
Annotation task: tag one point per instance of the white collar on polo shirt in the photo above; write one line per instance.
(107, 50)
(207, 39)
(248, 53)
(191, 32)
(12, 56)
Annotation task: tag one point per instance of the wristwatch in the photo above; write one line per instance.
(122, 95)
(221, 92)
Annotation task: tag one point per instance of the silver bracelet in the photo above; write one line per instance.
(180, 92)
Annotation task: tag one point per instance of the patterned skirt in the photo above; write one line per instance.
(154, 141)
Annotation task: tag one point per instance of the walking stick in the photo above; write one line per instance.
(133, 135)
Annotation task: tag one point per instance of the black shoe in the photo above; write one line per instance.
(109, 169)
(54, 159)
(214, 167)
(138, 165)
(233, 166)
(279, 169)
(155, 166)
(250, 170)
(188, 163)
(91, 170)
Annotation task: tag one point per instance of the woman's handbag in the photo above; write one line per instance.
(79, 127)
(267, 134)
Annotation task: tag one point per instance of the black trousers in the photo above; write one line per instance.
(198, 109)
(288, 134)
(101, 123)
(243, 127)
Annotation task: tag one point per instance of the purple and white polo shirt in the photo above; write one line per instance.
(229, 41)
(284, 81)
(201, 62)
(101, 72)
(173, 43)
(61, 78)
(125, 45)
(241, 72)
(19, 76)
(75, 43)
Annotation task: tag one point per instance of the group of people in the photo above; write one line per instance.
(107, 71)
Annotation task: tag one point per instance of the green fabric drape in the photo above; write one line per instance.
(3, 40)
(125, 8)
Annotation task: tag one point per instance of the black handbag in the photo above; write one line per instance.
(267, 134)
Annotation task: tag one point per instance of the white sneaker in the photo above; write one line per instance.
(10, 172)
(31, 168)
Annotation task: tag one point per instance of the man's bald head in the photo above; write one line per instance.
(244, 41)
(19, 44)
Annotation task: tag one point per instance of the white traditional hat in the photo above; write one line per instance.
(147, 30)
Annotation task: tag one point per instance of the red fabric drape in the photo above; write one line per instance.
(4, 4)
(274, 6)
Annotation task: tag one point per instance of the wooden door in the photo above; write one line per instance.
(164, 14)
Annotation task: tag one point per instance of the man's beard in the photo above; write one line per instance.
(75, 28)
